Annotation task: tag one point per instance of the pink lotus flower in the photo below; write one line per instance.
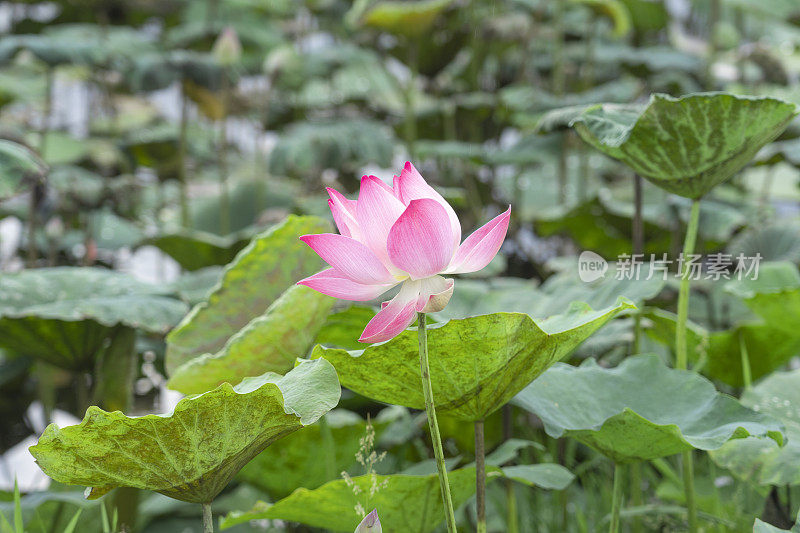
(405, 234)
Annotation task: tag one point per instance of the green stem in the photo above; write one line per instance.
(33, 205)
(681, 353)
(683, 294)
(222, 161)
(616, 499)
(636, 494)
(329, 445)
(688, 489)
(182, 177)
(713, 20)
(436, 438)
(208, 519)
(411, 117)
(116, 371)
(558, 74)
(746, 374)
(512, 521)
(563, 168)
(480, 478)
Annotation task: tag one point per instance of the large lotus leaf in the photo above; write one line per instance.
(477, 364)
(778, 9)
(281, 470)
(593, 227)
(77, 187)
(768, 347)
(548, 476)
(269, 343)
(17, 164)
(194, 287)
(686, 145)
(90, 44)
(60, 148)
(762, 461)
(34, 507)
(774, 295)
(261, 272)
(307, 148)
(762, 527)
(194, 250)
(65, 314)
(405, 503)
(603, 223)
(342, 329)
(524, 97)
(775, 242)
(410, 19)
(475, 297)
(193, 453)
(640, 410)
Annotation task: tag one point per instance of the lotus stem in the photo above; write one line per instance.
(512, 521)
(714, 10)
(681, 353)
(182, 177)
(636, 493)
(329, 445)
(411, 116)
(208, 519)
(688, 488)
(436, 438)
(222, 161)
(746, 374)
(616, 499)
(683, 294)
(480, 476)
(34, 200)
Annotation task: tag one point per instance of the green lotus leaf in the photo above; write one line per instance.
(762, 527)
(477, 364)
(78, 188)
(195, 286)
(343, 328)
(411, 19)
(475, 297)
(65, 315)
(690, 144)
(269, 343)
(761, 461)
(769, 347)
(308, 148)
(194, 250)
(773, 295)
(640, 410)
(405, 502)
(777, 9)
(17, 164)
(192, 453)
(775, 242)
(281, 470)
(770, 339)
(546, 475)
(61, 148)
(261, 272)
(33, 506)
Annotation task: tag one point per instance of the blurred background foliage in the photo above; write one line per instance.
(156, 138)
